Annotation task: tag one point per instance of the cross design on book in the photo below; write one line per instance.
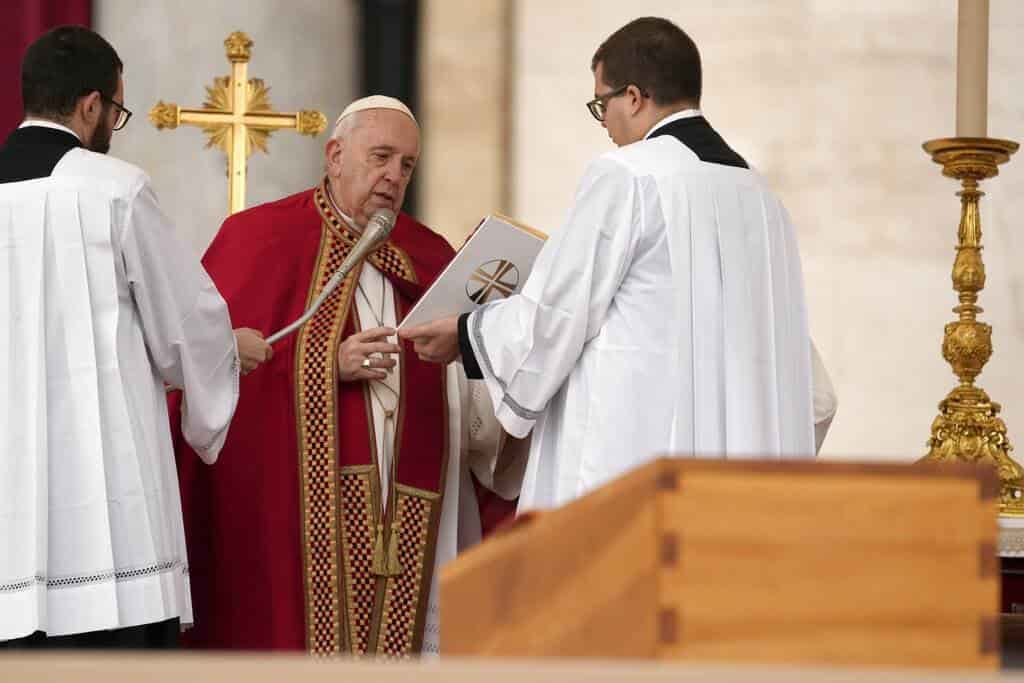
(495, 279)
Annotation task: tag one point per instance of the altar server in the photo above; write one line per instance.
(667, 316)
(102, 306)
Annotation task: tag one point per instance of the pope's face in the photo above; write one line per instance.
(370, 167)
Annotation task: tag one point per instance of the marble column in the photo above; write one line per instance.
(465, 105)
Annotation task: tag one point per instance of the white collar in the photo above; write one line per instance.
(43, 123)
(684, 114)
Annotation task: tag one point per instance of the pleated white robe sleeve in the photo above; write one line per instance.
(528, 344)
(825, 401)
(496, 460)
(185, 324)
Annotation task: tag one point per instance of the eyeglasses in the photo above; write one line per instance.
(123, 115)
(599, 105)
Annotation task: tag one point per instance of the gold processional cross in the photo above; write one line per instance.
(237, 117)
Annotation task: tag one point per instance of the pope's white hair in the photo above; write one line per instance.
(346, 126)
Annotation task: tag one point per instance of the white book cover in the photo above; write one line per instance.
(493, 264)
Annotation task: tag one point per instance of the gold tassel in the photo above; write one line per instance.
(377, 568)
(394, 568)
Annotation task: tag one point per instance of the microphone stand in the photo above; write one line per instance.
(380, 225)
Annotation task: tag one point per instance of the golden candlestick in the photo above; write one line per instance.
(968, 427)
(237, 117)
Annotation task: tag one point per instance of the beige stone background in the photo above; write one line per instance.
(831, 100)
(173, 49)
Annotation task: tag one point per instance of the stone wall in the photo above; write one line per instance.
(305, 50)
(831, 100)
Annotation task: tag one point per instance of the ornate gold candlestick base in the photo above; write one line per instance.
(968, 428)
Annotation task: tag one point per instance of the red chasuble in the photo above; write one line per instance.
(287, 545)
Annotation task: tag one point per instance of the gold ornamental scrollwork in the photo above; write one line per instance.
(967, 346)
(238, 46)
(968, 427)
(164, 115)
(311, 122)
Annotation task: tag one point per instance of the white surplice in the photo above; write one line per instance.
(667, 316)
(474, 437)
(102, 305)
(824, 400)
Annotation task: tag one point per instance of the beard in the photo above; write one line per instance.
(100, 140)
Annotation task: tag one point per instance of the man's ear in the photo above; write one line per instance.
(332, 153)
(635, 99)
(90, 107)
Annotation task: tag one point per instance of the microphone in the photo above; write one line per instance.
(380, 225)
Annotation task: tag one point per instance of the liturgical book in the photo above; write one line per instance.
(493, 264)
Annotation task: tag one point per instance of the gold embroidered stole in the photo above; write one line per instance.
(355, 605)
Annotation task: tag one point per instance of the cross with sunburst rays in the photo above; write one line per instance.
(495, 279)
(237, 116)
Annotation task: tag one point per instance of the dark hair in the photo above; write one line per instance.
(656, 56)
(66, 63)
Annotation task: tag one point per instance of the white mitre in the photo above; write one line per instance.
(373, 102)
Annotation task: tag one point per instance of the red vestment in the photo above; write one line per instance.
(286, 543)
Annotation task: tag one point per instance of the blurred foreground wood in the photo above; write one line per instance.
(65, 668)
(807, 563)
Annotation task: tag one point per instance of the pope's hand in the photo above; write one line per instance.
(355, 355)
(435, 342)
(252, 349)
